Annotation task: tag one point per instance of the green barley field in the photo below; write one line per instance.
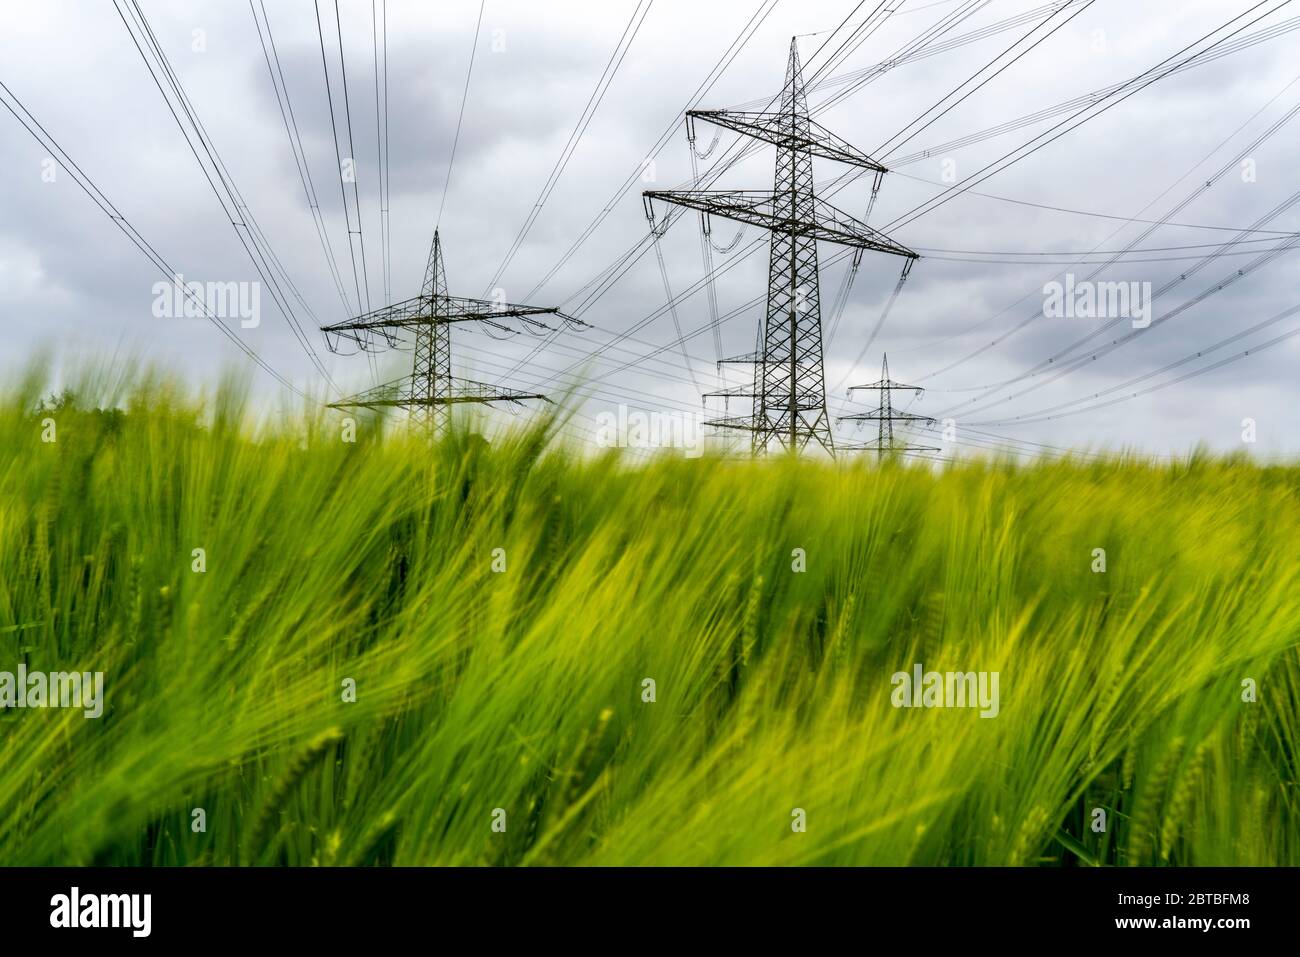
(358, 676)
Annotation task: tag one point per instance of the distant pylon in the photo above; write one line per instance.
(789, 383)
(432, 390)
(885, 415)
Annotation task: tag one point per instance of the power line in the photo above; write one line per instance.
(338, 155)
(1225, 250)
(928, 35)
(1143, 74)
(432, 389)
(880, 322)
(259, 252)
(751, 26)
(1201, 187)
(388, 179)
(624, 44)
(1140, 220)
(290, 122)
(1074, 364)
(1070, 211)
(929, 49)
(885, 415)
(356, 196)
(97, 196)
(898, 142)
(460, 118)
(381, 136)
(614, 272)
(1052, 412)
(1065, 106)
(1017, 155)
(747, 32)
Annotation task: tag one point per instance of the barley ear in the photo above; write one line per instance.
(1028, 837)
(303, 762)
(1141, 835)
(1181, 802)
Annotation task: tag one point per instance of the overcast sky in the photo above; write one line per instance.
(71, 281)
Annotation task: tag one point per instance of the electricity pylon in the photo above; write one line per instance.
(886, 415)
(432, 390)
(789, 383)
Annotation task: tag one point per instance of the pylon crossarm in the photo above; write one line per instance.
(395, 314)
(410, 402)
(535, 326)
(462, 309)
(422, 310)
(761, 208)
(398, 394)
(424, 321)
(779, 404)
(789, 387)
(514, 397)
(334, 343)
(743, 391)
(888, 384)
(742, 423)
(745, 360)
(469, 390)
(888, 416)
(833, 218)
(385, 395)
(776, 128)
(887, 447)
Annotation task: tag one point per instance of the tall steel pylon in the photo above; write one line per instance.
(432, 390)
(789, 382)
(885, 415)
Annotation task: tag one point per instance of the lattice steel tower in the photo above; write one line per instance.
(885, 415)
(789, 385)
(432, 390)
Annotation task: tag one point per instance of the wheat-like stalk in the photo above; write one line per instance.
(379, 830)
(303, 762)
(840, 649)
(1028, 836)
(749, 629)
(1140, 843)
(1181, 802)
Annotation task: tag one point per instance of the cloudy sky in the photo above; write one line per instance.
(1164, 178)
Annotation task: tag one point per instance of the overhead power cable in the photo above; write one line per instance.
(1155, 73)
(352, 151)
(460, 118)
(215, 171)
(52, 148)
(381, 147)
(338, 154)
(290, 121)
(606, 78)
(1201, 187)
(1079, 405)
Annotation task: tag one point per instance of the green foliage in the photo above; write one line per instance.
(522, 689)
